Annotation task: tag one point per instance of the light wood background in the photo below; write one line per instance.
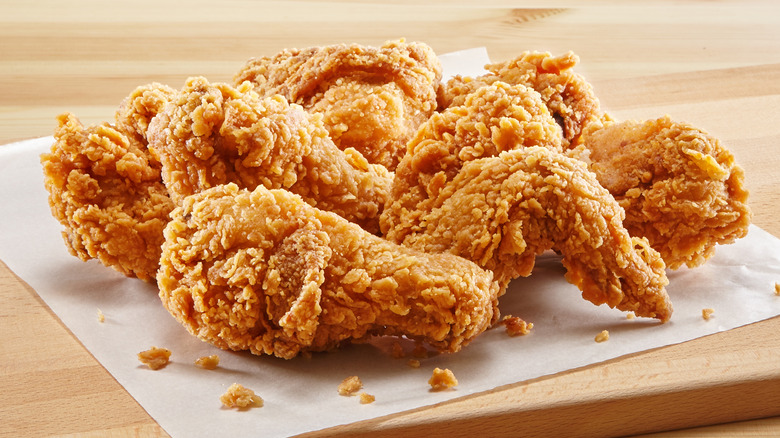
(715, 64)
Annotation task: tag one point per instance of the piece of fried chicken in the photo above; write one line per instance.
(212, 134)
(372, 99)
(105, 187)
(680, 188)
(264, 271)
(108, 194)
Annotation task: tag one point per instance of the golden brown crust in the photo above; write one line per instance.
(105, 189)
(569, 97)
(266, 272)
(212, 134)
(680, 188)
(371, 98)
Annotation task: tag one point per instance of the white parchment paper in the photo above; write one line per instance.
(301, 394)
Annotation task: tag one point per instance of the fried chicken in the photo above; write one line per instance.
(264, 271)
(569, 97)
(372, 99)
(501, 212)
(680, 187)
(106, 190)
(212, 134)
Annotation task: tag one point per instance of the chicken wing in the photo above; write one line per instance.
(501, 212)
(266, 272)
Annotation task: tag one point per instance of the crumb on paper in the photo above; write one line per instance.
(707, 313)
(603, 336)
(350, 386)
(777, 288)
(208, 362)
(442, 379)
(155, 358)
(238, 396)
(100, 316)
(366, 398)
(630, 315)
(414, 363)
(516, 326)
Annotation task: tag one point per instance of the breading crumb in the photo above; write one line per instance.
(238, 396)
(350, 386)
(777, 289)
(366, 398)
(442, 379)
(707, 313)
(100, 316)
(630, 315)
(516, 326)
(603, 336)
(208, 362)
(155, 358)
(414, 363)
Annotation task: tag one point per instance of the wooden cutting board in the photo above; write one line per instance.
(716, 66)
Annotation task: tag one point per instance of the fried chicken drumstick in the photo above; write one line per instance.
(212, 134)
(105, 187)
(371, 99)
(266, 272)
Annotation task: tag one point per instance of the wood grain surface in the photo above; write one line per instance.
(715, 64)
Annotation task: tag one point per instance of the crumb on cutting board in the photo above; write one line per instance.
(155, 358)
(442, 379)
(350, 386)
(241, 397)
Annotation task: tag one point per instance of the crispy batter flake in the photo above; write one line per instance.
(238, 396)
(155, 358)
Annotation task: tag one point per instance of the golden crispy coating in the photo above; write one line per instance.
(266, 272)
(139, 108)
(212, 134)
(106, 190)
(501, 212)
(371, 98)
(569, 97)
(492, 119)
(680, 187)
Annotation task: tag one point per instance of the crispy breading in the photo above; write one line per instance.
(266, 272)
(212, 134)
(680, 187)
(371, 98)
